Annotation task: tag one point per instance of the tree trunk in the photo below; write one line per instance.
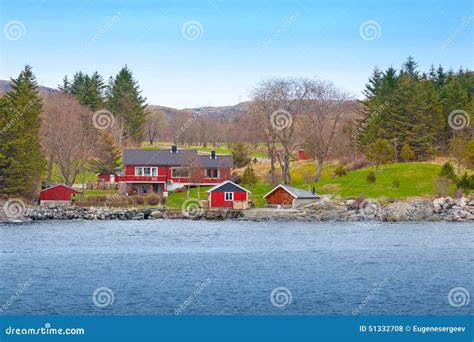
(272, 169)
(50, 170)
(319, 169)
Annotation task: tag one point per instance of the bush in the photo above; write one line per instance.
(152, 199)
(371, 177)
(235, 178)
(396, 184)
(407, 153)
(140, 200)
(340, 171)
(249, 176)
(447, 170)
(466, 183)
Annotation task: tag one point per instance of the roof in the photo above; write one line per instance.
(227, 186)
(64, 186)
(220, 161)
(295, 192)
(182, 157)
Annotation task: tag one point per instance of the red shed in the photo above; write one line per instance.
(106, 177)
(228, 195)
(60, 194)
(303, 155)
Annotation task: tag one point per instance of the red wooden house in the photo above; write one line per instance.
(228, 195)
(159, 171)
(58, 195)
(285, 195)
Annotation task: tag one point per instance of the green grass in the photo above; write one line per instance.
(83, 177)
(91, 192)
(416, 179)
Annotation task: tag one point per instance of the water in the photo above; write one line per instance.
(200, 267)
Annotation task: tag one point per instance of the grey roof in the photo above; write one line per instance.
(220, 161)
(299, 193)
(165, 157)
(157, 157)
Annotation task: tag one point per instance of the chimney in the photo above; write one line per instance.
(174, 149)
(213, 154)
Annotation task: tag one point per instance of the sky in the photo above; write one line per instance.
(188, 53)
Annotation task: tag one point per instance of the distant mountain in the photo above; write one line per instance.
(221, 113)
(5, 87)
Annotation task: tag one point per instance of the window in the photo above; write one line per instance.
(229, 196)
(212, 173)
(146, 171)
(179, 172)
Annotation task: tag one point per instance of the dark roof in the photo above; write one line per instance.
(297, 193)
(220, 161)
(165, 157)
(157, 157)
(227, 186)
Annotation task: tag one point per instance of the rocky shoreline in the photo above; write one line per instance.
(327, 209)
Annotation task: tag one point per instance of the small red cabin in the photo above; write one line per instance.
(303, 155)
(60, 194)
(228, 195)
(106, 177)
(284, 195)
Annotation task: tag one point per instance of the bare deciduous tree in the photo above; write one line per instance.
(68, 135)
(323, 109)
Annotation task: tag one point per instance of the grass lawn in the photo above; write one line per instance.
(416, 179)
(85, 176)
(91, 192)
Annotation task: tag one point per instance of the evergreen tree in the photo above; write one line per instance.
(21, 157)
(249, 177)
(380, 152)
(407, 153)
(409, 68)
(128, 105)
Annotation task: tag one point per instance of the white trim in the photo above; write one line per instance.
(213, 168)
(221, 184)
(143, 171)
(232, 195)
(281, 186)
(67, 186)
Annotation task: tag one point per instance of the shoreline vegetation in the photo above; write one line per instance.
(327, 209)
(410, 137)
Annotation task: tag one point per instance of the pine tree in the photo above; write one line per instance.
(21, 157)
(409, 68)
(407, 153)
(128, 105)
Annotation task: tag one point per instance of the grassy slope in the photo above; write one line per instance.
(416, 179)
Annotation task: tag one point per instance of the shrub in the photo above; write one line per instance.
(140, 200)
(447, 170)
(407, 153)
(241, 155)
(371, 177)
(465, 183)
(396, 184)
(152, 199)
(380, 152)
(340, 171)
(249, 176)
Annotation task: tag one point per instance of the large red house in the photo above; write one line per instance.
(160, 171)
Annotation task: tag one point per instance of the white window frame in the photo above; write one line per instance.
(213, 168)
(153, 171)
(231, 195)
(179, 167)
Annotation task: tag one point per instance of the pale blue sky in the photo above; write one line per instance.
(242, 42)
